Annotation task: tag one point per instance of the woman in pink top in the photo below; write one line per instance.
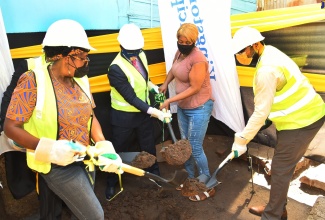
(190, 70)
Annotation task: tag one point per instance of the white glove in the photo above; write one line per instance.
(162, 116)
(110, 162)
(153, 88)
(58, 152)
(108, 159)
(239, 146)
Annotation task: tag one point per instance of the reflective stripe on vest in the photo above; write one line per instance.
(135, 79)
(297, 104)
(43, 122)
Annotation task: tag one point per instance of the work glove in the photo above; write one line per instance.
(108, 160)
(153, 88)
(239, 146)
(161, 115)
(160, 98)
(60, 152)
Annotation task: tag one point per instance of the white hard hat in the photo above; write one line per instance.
(130, 37)
(244, 37)
(67, 33)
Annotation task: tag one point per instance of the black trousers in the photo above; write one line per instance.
(125, 138)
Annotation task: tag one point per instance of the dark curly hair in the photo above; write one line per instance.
(61, 50)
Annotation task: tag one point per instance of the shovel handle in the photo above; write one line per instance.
(170, 128)
(172, 134)
(133, 170)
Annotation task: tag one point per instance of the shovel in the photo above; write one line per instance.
(179, 176)
(213, 180)
(171, 132)
(128, 157)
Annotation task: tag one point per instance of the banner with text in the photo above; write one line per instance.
(213, 21)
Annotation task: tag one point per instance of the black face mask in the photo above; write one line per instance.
(81, 71)
(185, 49)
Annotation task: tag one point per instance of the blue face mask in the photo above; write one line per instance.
(130, 53)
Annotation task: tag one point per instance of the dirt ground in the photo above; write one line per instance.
(143, 199)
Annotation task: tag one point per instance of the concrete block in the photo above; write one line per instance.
(314, 177)
(317, 212)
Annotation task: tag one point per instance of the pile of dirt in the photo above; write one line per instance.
(177, 153)
(143, 160)
(192, 187)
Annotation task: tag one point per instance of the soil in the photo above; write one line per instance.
(142, 199)
(177, 153)
(192, 187)
(143, 160)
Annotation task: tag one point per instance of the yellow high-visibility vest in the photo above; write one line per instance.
(43, 122)
(138, 83)
(297, 104)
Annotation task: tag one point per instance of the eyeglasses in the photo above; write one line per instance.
(85, 60)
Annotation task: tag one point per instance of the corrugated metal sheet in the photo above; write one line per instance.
(263, 5)
(242, 6)
(301, 40)
(271, 4)
(144, 13)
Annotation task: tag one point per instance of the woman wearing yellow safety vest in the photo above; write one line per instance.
(22, 180)
(283, 95)
(51, 115)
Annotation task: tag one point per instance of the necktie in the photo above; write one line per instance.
(135, 63)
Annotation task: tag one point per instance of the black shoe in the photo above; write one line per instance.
(109, 192)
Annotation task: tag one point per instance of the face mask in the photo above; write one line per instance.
(243, 59)
(81, 71)
(185, 49)
(130, 53)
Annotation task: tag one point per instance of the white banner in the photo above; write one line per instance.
(6, 65)
(213, 21)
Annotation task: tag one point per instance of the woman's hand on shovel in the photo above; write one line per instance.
(164, 105)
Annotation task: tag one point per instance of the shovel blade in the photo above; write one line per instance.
(178, 178)
(128, 157)
(213, 182)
